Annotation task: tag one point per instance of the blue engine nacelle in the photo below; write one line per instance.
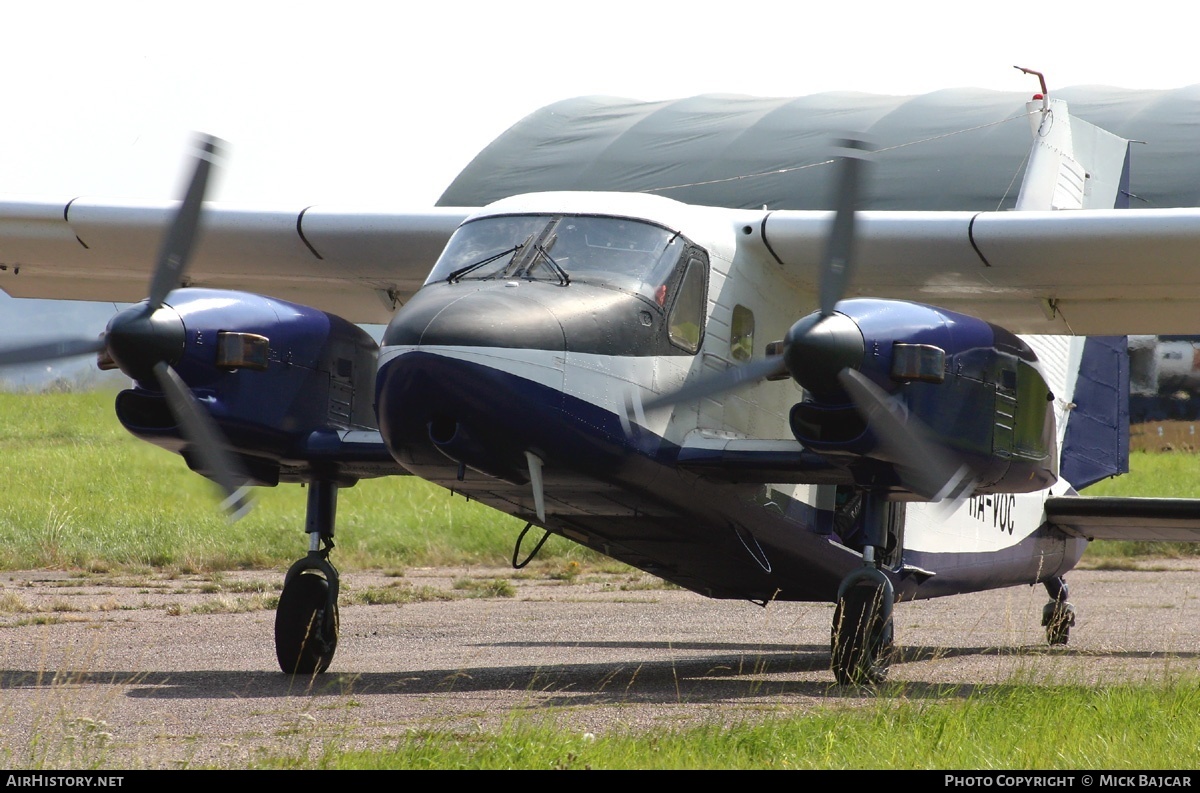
(975, 389)
(291, 387)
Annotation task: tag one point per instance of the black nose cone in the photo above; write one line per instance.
(817, 348)
(138, 338)
(495, 316)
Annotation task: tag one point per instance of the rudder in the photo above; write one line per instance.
(1095, 443)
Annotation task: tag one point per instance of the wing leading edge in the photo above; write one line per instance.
(357, 264)
(1082, 272)
(1079, 272)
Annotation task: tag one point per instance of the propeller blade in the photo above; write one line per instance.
(180, 239)
(838, 259)
(51, 350)
(834, 278)
(926, 468)
(205, 436)
(145, 342)
(730, 379)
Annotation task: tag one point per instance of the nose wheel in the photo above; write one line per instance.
(861, 642)
(862, 637)
(306, 619)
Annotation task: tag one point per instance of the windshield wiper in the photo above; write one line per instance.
(458, 274)
(541, 252)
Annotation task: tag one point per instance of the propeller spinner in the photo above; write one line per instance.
(146, 339)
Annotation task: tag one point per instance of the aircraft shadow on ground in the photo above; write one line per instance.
(725, 673)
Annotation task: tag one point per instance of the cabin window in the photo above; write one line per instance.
(685, 323)
(741, 334)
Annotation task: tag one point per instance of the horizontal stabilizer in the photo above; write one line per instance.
(1134, 519)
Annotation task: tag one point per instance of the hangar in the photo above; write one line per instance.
(955, 149)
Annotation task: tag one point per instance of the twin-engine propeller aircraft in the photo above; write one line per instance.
(749, 404)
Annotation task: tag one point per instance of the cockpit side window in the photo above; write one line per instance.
(685, 323)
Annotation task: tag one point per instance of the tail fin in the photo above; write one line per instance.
(1089, 378)
(1095, 443)
(1077, 165)
(1073, 164)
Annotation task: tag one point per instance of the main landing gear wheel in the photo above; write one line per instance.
(862, 639)
(1058, 617)
(306, 623)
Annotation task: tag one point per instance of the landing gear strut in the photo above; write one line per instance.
(862, 636)
(1058, 617)
(306, 620)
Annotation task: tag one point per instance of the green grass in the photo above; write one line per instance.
(1005, 727)
(1159, 474)
(81, 492)
(1173, 474)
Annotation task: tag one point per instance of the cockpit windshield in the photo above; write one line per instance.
(620, 253)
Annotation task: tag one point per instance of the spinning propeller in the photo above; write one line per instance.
(145, 339)
(822, 352)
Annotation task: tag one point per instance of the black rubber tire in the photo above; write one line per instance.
(862, 637)
(305, 635)
(1058, 618)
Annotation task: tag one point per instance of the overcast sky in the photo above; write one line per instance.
(383, 103)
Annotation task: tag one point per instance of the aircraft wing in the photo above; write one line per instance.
(1137, 519)
(359, 264)
(1080, 272)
